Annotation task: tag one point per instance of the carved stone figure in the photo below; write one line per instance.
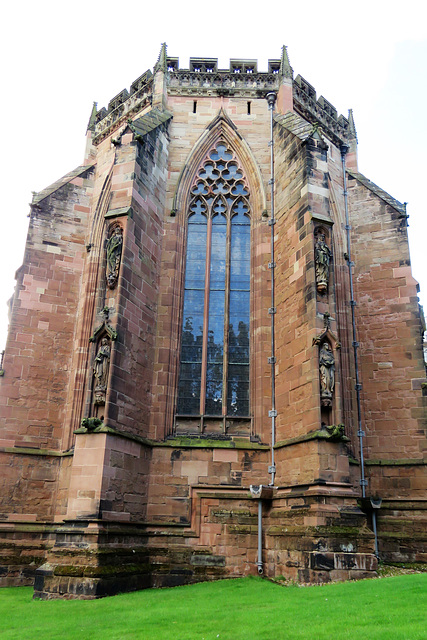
(91, 423)
(327, 374)
(322, 258)
(114, 253)
(100, 371)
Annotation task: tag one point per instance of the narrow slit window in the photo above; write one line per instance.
(249, 108)
(194, 106)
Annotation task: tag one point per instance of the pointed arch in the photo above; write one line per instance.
(222, 129)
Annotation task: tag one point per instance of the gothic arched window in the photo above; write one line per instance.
(214, 365)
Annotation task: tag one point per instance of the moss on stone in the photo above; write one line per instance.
(209, 443)
(242, 528)
(384, 462)
(320, 434)
(37, 452)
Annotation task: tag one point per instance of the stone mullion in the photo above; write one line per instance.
(206, 317)
(226, 314)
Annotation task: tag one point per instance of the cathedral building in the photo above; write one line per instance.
(214, 365)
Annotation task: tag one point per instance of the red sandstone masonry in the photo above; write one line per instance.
(389, 328)
(296, 370)
(38, 357)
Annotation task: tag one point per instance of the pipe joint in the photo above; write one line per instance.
(344, 150)
(271, 99)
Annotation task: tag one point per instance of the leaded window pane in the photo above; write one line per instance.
(238, 390)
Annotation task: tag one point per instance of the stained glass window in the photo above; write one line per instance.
(214, 364)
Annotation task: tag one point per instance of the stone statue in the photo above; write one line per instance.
(327, 374)
(101, 367)
(114, 253)
(91, 423)
(322, 258)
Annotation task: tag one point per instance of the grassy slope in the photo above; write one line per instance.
(245, 609)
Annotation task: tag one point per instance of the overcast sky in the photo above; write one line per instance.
(59, 57)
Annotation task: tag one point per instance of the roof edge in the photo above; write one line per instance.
(68, 177)
(399, 206)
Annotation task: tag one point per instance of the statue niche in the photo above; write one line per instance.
(327, 374)
(114, 254)
(322, 259)
(101, 367)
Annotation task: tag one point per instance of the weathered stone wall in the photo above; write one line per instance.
(28, 482)
(109, 478)
(139, 182)
(392, 369)
(175, 472)
(296, 369)
(346, 373)
(389, 328)
(38, 355)
(37, 358)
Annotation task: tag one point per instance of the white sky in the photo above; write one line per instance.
(59, 57)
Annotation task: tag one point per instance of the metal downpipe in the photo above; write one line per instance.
(358, 385)
(271, 99)
(261, 492)
(259, 561)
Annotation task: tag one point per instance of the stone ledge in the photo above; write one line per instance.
(184, 442)
(313, 435)
(36, 452)
(396, 463)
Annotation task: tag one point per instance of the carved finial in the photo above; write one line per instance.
(286, 70)
(351, 126)
(91, 123)
(161, 60)
(327, 320)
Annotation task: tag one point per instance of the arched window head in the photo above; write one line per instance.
(214, 367)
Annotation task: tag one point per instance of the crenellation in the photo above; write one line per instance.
(140, 82)
(306, 88)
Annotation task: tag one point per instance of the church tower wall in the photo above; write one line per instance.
(144, 445)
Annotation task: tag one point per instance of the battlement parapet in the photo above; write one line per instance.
(122, 106)
(319, 110)
(203, 77)
(241, 79)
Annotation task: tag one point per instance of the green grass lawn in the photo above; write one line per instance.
(245, 609)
